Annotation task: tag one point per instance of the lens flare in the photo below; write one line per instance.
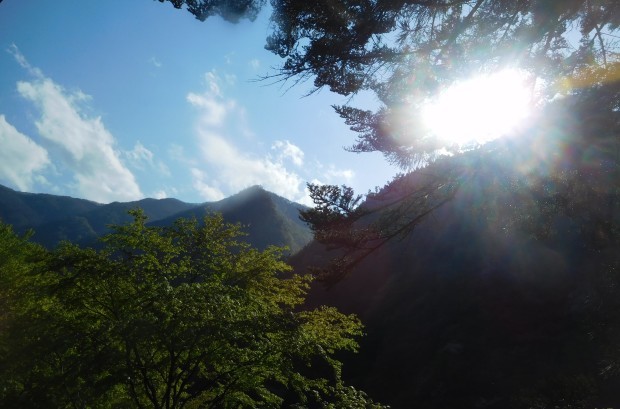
(479, 109)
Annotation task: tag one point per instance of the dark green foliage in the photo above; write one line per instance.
(230, 10)
(507, 295)
(405, 51)
(26, 210)
(183, 316)
(340, 222)
(268, 218)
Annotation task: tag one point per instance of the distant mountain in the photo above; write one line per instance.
(84, 228)
(499, 299)
(26, 210)
(268, 218)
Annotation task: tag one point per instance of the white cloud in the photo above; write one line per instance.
(214, 107)
(335, 175)
(239, 170)
(289, 151)
(330, 174)
(206, 191)
(140, 156)
(231, 168)
(20, 157)
(255, 64)
(160, 194)
(88, 147)
(156, 63)
(214, 112)
(213, 84)
(21, 60)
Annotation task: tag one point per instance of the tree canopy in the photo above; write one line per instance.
(556, 186)
(405, 51)
(186, 316)
(230, 10)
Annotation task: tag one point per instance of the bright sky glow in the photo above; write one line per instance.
(479, 109)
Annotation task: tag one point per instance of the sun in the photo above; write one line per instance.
(480, 109)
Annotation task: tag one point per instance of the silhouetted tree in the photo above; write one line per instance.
(404, 51)
(230, 10)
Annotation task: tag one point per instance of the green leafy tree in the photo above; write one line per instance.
(187, 316)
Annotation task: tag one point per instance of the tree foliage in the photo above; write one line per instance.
(404, 51)
(229, 10)
(556, 189)
(186, 316)
(339, 222)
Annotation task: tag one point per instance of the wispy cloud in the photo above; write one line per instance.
(21, 60)
(289, 151)
(213, 111)
(160, 194)
(88, 148)
(255, 64)
(143, 159)
(155, 62)
(201, 184)
(21, 159)
(238, 169)
(232, 168)
(214, 108)
(140, 155)
(333, 174)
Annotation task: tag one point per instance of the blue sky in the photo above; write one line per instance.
(119, 100)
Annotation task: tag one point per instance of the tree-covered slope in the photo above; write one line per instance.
(25, 210)
(504, 297)
(269, 219)
(86, 227)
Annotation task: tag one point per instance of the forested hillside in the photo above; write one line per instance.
(504, 296)
(268, 218)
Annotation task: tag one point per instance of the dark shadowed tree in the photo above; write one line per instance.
(559, 184)
(404, 51)
(230, 10)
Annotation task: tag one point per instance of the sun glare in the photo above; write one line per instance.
(480, 109)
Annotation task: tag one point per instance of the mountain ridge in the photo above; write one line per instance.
(268, 218)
